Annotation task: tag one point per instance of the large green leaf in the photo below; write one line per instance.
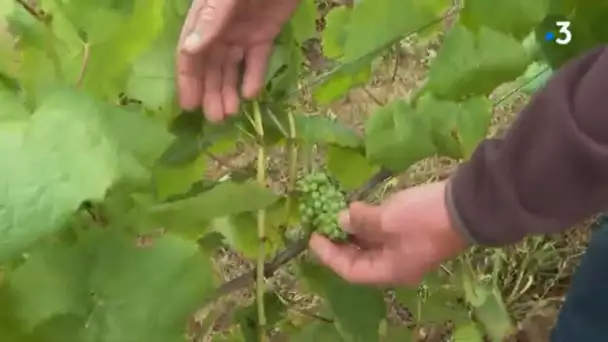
(65, 154)
(192, 215)
(12, 106)
(240, 233)
(323, 130)
(517, 17)
(152, 76)
(458, 127)
(115, 290)
(247, 317)
(475, 63)
(335, 33)
(374, 24)
(349, 167)
(342, 79)
(397, 137)
(358, 310)
(115, 34)
(467, 333)
(303, 22)
(435, 301)
(170, 181)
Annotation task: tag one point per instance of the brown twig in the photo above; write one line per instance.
(373, 97)
(397, 49)
(296, 248)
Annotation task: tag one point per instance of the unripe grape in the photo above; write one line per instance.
(321, 202)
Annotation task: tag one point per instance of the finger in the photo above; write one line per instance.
(230, 96)
(364, 221)
(211, 17)
(353, 264)
(212, 96)
(189, 82)
(189, 77)
(256, 62)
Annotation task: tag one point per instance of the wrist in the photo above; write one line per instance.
(456, 235)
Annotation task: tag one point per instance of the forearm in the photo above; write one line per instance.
(550, 171)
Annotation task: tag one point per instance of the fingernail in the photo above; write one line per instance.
(192, 41)
(344, 219)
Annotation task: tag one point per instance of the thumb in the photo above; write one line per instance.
(207, 18)
(364, 221)
(351, 263)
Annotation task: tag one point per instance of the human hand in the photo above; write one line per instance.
(217, 36)
(395, 243)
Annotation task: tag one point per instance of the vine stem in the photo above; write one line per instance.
(31, 10)
(85, 63)
(292, 160)
(50, 38)
(261, 178)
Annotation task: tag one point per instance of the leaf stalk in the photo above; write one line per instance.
(261, 223)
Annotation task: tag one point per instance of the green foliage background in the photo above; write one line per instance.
(96, 155)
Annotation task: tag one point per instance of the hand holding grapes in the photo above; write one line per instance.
(395, 243)
(217, 37)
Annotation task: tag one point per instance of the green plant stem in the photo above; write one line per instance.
(292, 160)
(261, 178)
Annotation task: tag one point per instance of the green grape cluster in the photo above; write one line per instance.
(320, 203)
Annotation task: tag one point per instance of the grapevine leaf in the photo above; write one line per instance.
(376, 24)
(240, 233)
(6, 7)
(194, 135)
(583, 27)
(183, 151)
(225, 199)
(49, 175)
(398, 333)
(114, 33)
(335, 33)
(397, 137)
(119, 291)
(152, 77)
(342, 79)
(349, 167)
(278, 60)
(247, 317)
(345, 301)
(475, 63)
(458, 127)
(12, 106)
(187, 123)
(594, 15)
(171, 181)
(323, 130)
(318, 331)
(436, 303)
(467, 333)
(303, 21)
(517, 17)
(284, 68)
(488, 306)
(143, 149)
(562, 6)
(535, 77)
